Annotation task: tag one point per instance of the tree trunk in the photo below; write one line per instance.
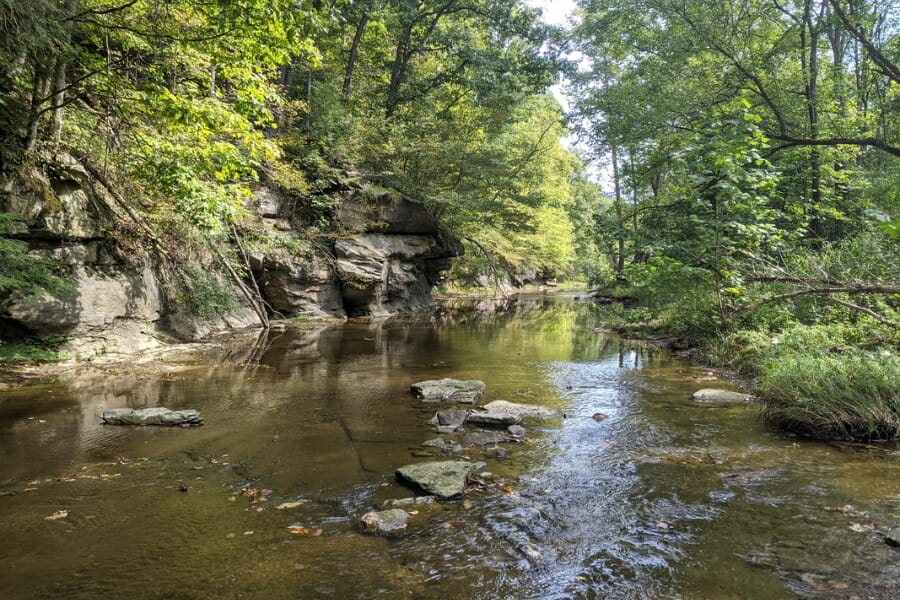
(620, 216)
(59, 98)
(398, 71)
(354, 50)
(40, 89)
(810, 41)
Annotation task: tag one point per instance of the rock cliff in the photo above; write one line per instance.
(387, 253)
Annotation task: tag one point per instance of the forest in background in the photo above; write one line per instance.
(752, 147)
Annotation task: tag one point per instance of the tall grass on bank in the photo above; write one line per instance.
(852, 397)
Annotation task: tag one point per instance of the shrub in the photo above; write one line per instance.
(203, 294)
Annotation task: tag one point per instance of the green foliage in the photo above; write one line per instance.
(23, 273)
(203, 294)
(38, 350)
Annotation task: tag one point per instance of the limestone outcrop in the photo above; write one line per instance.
(384, 257)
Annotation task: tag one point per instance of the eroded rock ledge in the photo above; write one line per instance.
(387, 254)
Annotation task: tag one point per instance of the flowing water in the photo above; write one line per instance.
(665, 498)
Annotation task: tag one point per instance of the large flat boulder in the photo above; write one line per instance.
(494, 419)
(444, 479)
(448, 390)
(151, 416)
(523, 411)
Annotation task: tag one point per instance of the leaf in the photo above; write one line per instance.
(60, 514)
(289, 505)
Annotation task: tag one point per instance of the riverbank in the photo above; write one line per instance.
(836, 381)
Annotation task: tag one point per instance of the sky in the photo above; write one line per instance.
(556, 12)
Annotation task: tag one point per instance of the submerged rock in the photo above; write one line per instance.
(448, 390)
(713, 396)
(386, 521)
(435, 443)
(413, 501)
(443, 479)
(151, 416)
(484, 438)
(523, 411)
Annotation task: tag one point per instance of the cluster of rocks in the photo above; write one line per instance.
(497, 422)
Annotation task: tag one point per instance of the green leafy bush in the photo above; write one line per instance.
(203, 294)
(22, 272)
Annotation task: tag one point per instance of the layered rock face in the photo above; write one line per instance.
(111, 302)
(393, 252)
(389, 255)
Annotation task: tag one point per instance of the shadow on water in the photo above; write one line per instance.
(663, 498)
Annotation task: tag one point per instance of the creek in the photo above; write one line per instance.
(665, 498)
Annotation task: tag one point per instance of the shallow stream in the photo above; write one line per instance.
(665, 498)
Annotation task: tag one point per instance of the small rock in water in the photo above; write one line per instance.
(435, 443)
(448, 390)
(893, 537)
(453, 448)
(386, 521)
(452, 417)
(598, 417)
(496, 452)
(517, 431)
(152, 416)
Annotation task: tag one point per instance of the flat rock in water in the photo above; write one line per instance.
(443, 479)
(435, 443)
(385, 521)
(712, 395)
(495, 419)
(525, 411)
(448, 390)
(452, 417)
(151, 416)
(484, 438)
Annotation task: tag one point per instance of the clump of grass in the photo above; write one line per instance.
(823, 396)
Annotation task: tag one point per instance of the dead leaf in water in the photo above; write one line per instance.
(317, 532)
(60, 514)
(289, 505)
(297, 529)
